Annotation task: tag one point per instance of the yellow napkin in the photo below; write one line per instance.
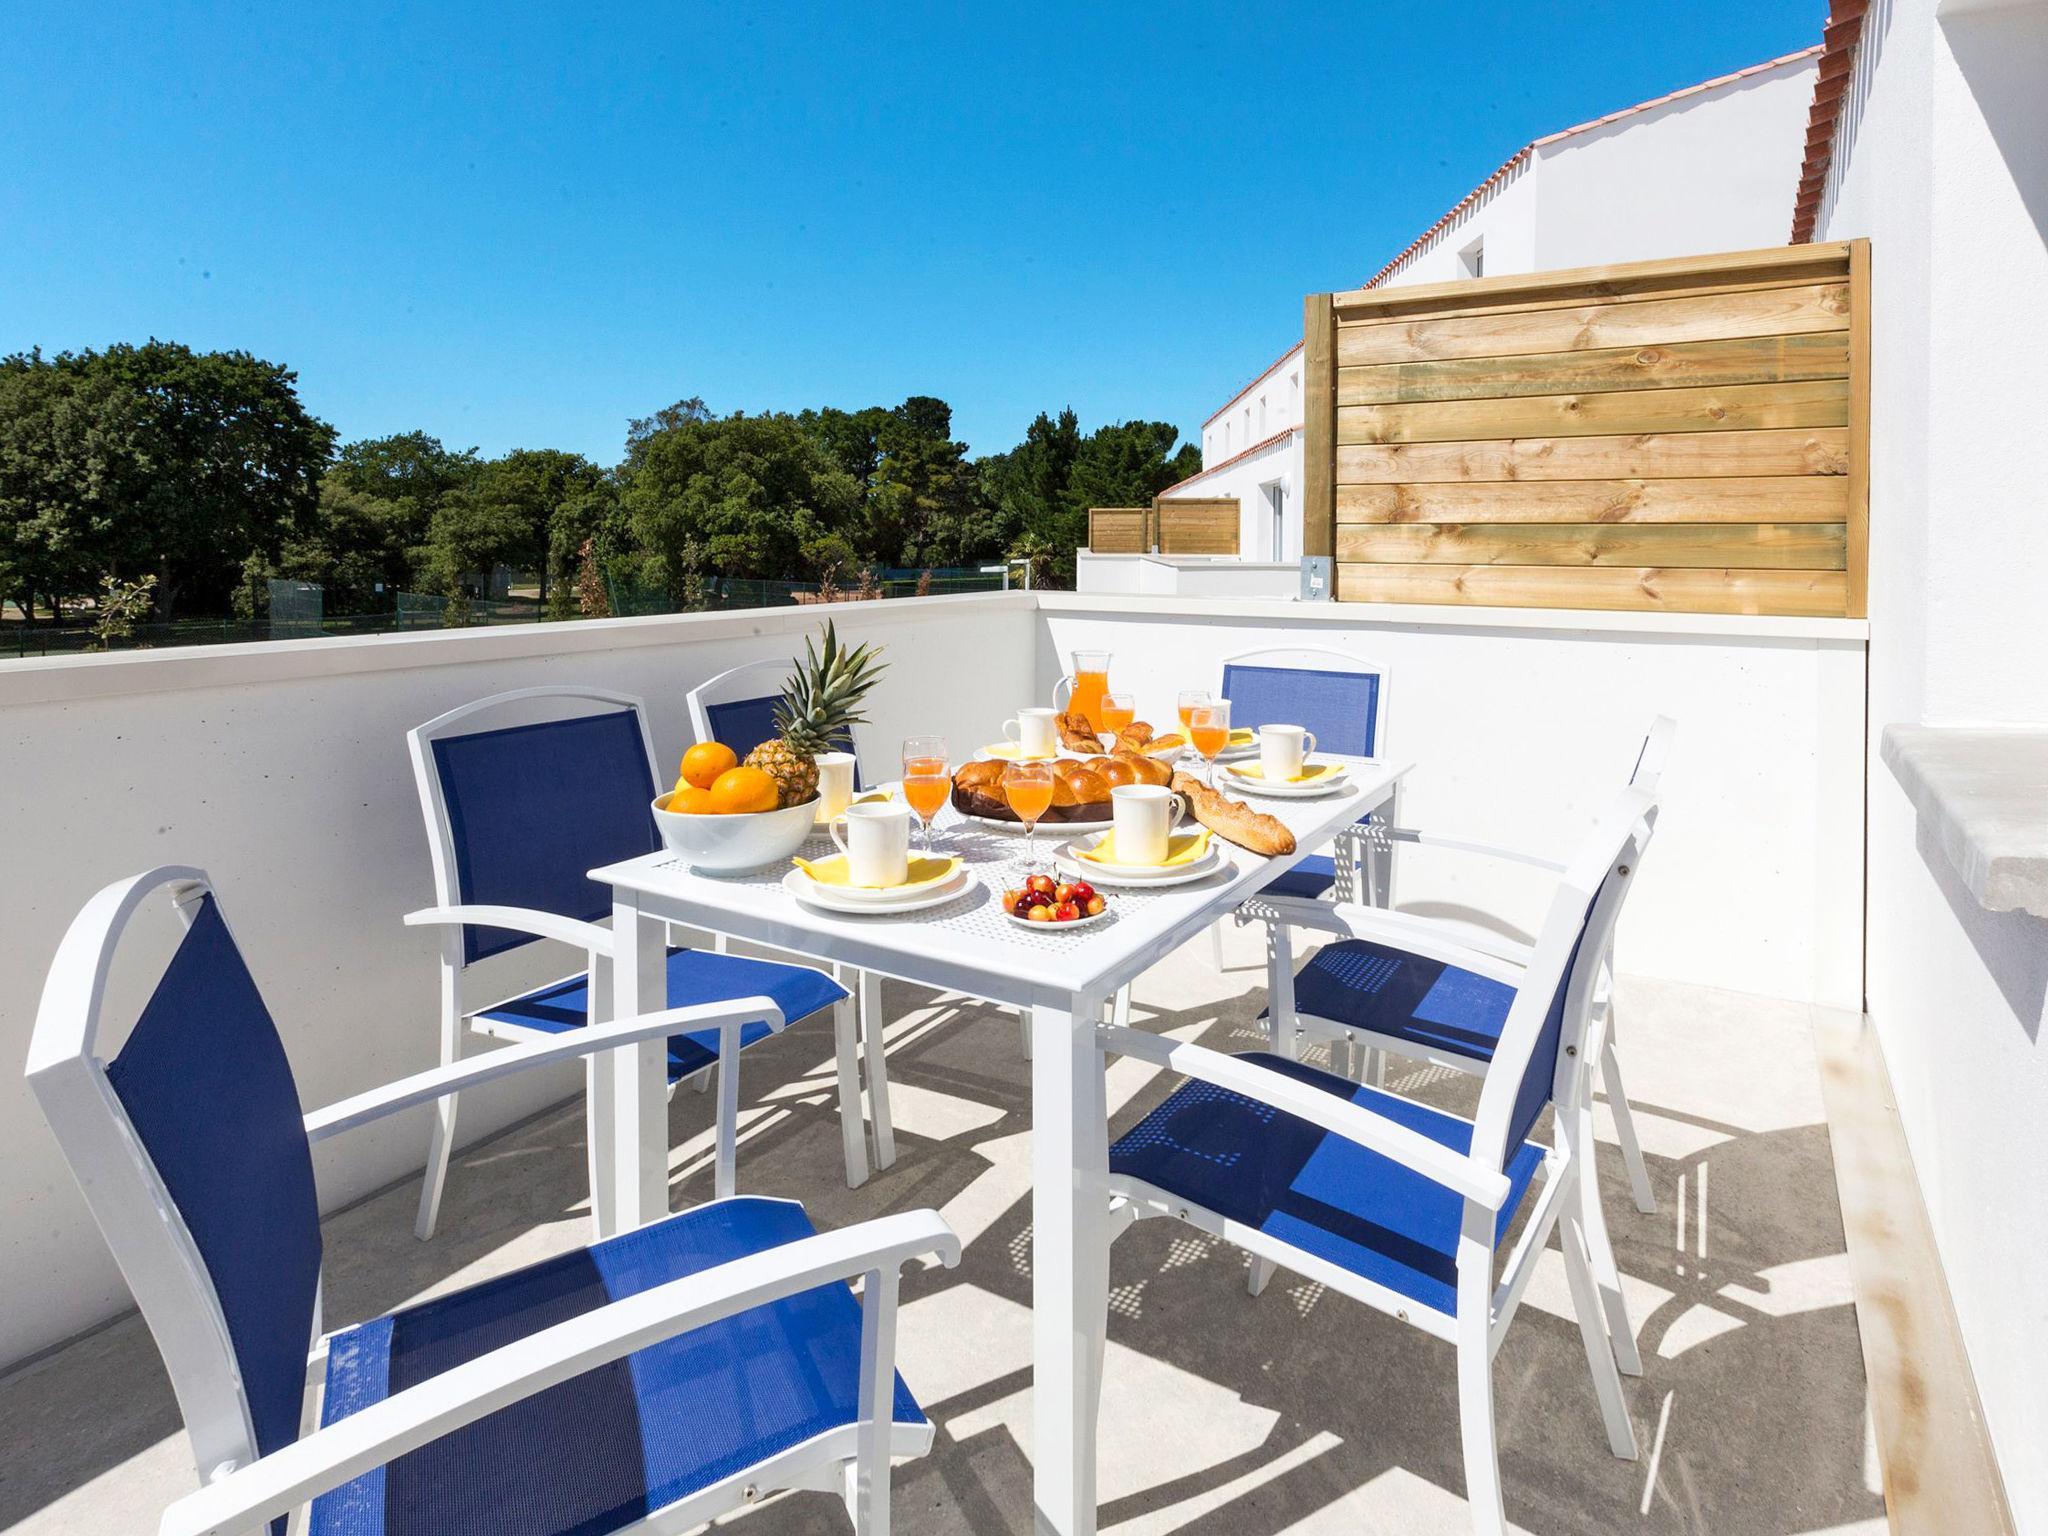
(1243, 736)
(1181, 848)
(1312, 772)
(1010, 752)
(867, 795)
(924, 871)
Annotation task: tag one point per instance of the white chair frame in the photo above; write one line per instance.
(451, 916)
(760, 679)
(1597, 878)
(160, 1262)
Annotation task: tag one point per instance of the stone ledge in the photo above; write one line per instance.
(1984, 792)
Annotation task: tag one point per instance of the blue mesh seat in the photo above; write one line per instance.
(1317, 1192)
(694, 976)
(614, 1445)
(1427, 1003)
(1314, 876)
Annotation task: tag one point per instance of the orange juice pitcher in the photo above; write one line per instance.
(1091, 682)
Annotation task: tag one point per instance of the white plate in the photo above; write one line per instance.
(1281, 791)
(1095, 874)
(823, 897)
(1079, 922)
(1047, 828)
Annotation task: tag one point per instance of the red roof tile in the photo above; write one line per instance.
(1258, 447)
(1838, 53)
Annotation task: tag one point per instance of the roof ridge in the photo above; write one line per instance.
(1251, 384)
(1222, 464)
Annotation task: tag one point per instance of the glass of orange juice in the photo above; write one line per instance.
(1118, 711)
(1091, 682)
(1190, 698)
(927, 782)
(1209, 731)
(1028, 789)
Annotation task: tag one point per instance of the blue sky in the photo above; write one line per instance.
(519, 225)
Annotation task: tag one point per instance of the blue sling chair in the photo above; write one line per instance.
(1394, 1203)
(652, 1381)
(517, 815)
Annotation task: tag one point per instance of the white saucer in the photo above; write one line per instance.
(1134, 877)
(827, 899)
(1327, 784)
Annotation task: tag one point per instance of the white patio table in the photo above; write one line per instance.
(965, 946)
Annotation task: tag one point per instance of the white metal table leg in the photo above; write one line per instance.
(1069, 1265)
(874, 1053)
(853, 1135)
(1280, 1022)
(630, 1113)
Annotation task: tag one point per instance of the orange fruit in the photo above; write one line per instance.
(704, 762)
(690, 800)
(739, 791)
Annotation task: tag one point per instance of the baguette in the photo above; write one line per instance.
(1233, 820)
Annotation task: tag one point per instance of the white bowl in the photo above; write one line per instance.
(724, 845)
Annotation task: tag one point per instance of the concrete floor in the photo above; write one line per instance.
(1299, 1412)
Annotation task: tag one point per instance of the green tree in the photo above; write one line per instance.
(641, 428)
(502, 514)
(922, 509)
(1024, 491)
(410, 474)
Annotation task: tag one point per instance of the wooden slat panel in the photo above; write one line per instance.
(1475, 301)
(1319, 426)
(1119, 530)
(1744, 360)
(1650, 456)
(1589, 327)
(1738, 408)
(1859, 430)
(1811, 594)
(1757, 546)
(1198, 527)
(1735, 499)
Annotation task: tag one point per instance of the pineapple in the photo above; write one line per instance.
(820, 703)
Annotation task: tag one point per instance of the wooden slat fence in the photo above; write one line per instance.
(1120, 530)
(1677, 435)
(1190, 526)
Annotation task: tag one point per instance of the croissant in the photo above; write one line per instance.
(1234, 820)
(1132, 738)
(1077, 735)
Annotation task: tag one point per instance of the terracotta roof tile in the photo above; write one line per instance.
(1838, 56)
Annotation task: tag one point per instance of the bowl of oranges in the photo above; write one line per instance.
(724, 817)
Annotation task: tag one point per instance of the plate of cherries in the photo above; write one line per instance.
(1044, 901)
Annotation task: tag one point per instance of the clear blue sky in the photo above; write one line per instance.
(518, 225)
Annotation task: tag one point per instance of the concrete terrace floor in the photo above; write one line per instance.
(1298, 1412)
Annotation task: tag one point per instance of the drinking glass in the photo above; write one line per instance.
(1189, 699)
(1118, 711)
(1209, 732)
(1028, 789)
(927, 781)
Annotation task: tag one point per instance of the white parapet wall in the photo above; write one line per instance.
(281, 768)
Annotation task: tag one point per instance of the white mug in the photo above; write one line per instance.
(835, 783)
(1033, 732)
(1283, 749)
(1142, 819)
(875, 837)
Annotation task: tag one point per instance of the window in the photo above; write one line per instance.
(1472, 259)
(1276, 510)
(1262, 416)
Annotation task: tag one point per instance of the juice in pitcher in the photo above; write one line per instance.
(1091, 682)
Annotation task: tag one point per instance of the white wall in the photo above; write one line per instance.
(1942, 160)
(1270, 403)
(282, 770)
(1505, 219)
(1520, 723)
(1246, 480)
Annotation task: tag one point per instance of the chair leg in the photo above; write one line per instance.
(1621, 1431)
(1621, 1332)
(1024, 1031)
(1473, 1330)
(1216, 944)
(853, 1134)
(1281, 1028)
(1257, 1277)
(1625, 1124)
(1120, 1010)
(441, 1132)
(875, 1054)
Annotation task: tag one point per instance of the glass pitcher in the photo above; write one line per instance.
(1084, 687)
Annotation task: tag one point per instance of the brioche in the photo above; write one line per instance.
(1233, 820)
(1077, 734)
(1147, 770)
(1132, 738)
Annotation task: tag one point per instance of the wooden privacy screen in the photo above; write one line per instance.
(1684, 435)
(1197, 527)
(1120, 530)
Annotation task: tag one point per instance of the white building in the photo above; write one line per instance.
(1708, 168)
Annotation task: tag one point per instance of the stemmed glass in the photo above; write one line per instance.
(1028, 789)
(1118, 711)
(1190, 698)
(1209, 732)
(927, 782)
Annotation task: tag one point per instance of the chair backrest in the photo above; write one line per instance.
(737, 709)
(1655, 754)
(1341, 699)
(190, 1148)
(518, 815)
(1538, 1057)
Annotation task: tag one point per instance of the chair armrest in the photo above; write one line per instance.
(1498, 959)
(407, 1420)
(1410, 1148)
(439, 1082)
(542, 925)
(1467, 845)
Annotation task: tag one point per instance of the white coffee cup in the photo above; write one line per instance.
(1142, 819)
(875, 837)
(1034, 732)
(1283, 749)
(835, 784)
